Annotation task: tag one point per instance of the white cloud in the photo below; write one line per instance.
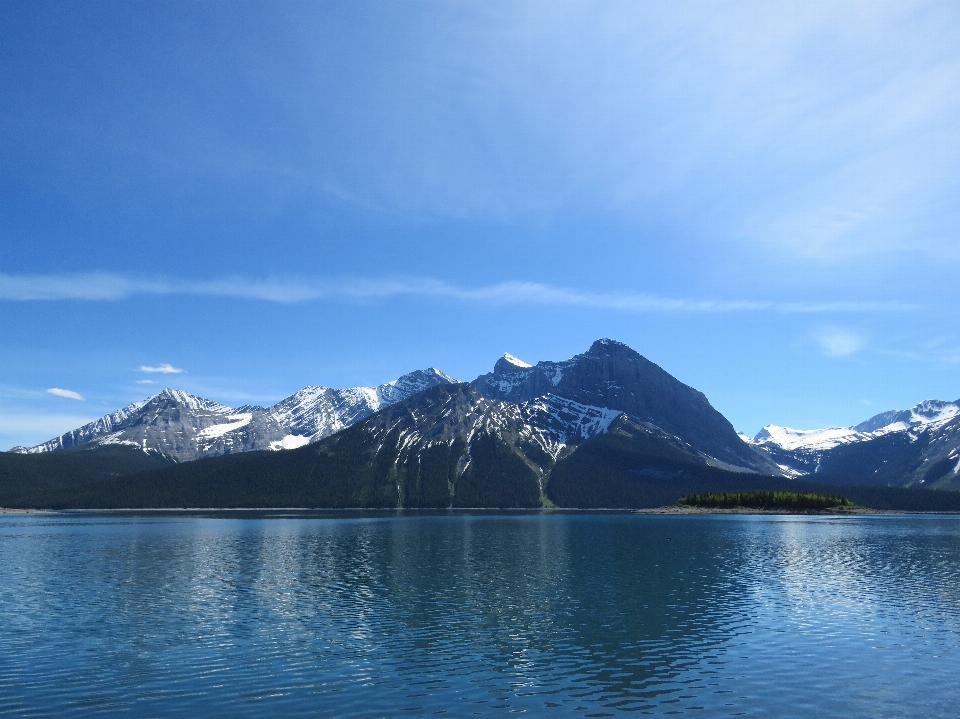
(106, 286)
(839, 343)
(69, 394)
(161, 369)
(145, 381)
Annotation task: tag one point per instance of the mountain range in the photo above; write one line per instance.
(183, 427)
(606, 427)
(915, 447)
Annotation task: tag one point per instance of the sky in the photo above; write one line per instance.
(240, 199)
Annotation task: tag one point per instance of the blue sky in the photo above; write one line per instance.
(762, 198)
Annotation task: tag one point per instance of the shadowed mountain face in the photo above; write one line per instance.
(451, 446)
(612, 375)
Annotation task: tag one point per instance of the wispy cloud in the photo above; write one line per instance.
(68, 393)
(145, 381)
(107, 286)
(28, 429)
(161, 369)
(839, 343)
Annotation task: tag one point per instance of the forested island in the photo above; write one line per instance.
(764, 499)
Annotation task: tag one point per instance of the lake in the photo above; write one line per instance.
(251, 614)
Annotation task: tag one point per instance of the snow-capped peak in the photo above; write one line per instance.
(789, 438)
(409, 384)
(515, 361)
(191, 401)
(184, 427)
(929, 414)
(933, 410)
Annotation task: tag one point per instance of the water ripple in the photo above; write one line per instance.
(369, 615)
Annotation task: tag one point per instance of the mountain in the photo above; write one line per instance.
(183, 427)
(613, 376)
(915, 447)
(606, 428)
(447, 446)
(568, 401)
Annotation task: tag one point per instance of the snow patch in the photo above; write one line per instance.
(117, 438)
(291, 441)
(789, 472)
(564, 420)
(516, 362)
(819, 439)
(235, 421)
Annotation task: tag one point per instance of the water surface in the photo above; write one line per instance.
(419, 614)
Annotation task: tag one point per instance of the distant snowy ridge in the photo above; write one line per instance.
(183, 426)
(317, 412)
(815, 439)
(108, 429)
(929, 415)
(914, 447)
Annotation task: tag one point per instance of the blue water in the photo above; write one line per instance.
(370, 615)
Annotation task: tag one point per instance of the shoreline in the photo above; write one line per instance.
(834, 511)
(670, 509)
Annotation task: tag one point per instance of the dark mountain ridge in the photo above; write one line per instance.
(610, 374)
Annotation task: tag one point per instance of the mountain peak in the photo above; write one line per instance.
(184, 399)
(607, 346)
(430, 374)
(510, 365)
(613, 376)
(515, 361)
(933, 408)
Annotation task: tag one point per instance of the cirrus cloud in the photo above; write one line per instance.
(68, 393)
(107, 286)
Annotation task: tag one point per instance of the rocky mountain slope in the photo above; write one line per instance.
(183, 427)
(915, 447)
(612, 375)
